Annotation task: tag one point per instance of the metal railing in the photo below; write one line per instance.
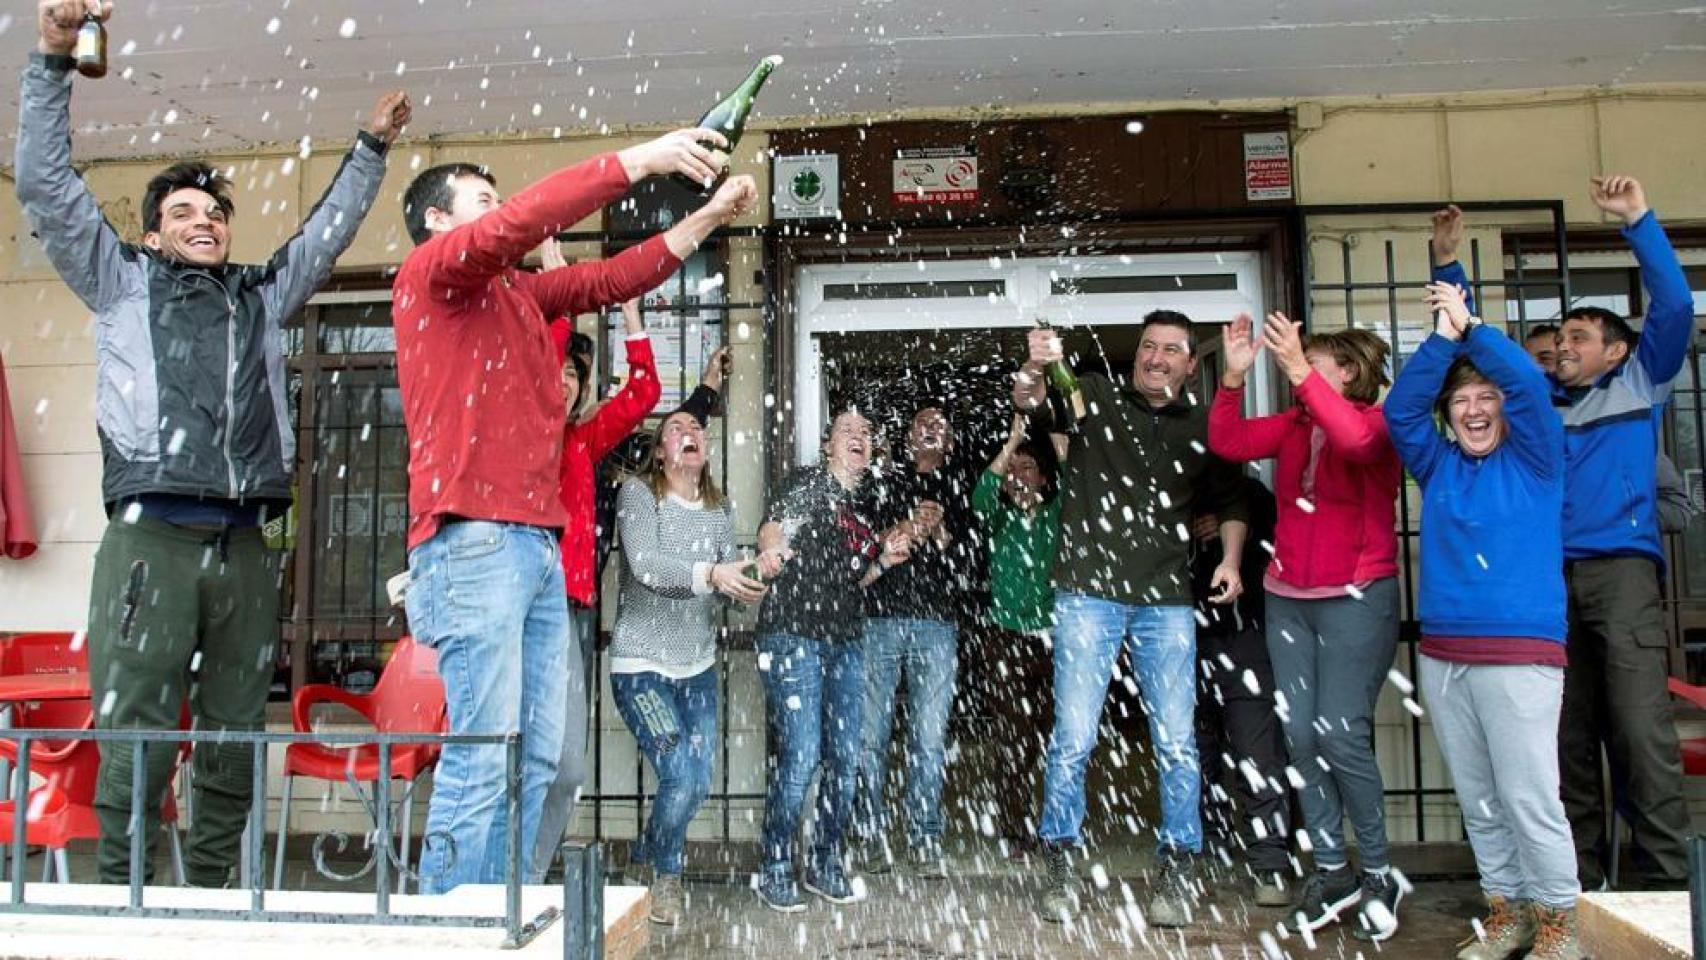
(585, 863)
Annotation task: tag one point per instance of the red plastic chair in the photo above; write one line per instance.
(1694, 748)
(27, 653)
(409, 698)
(62, 808)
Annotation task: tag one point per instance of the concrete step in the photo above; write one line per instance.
(1634, 926)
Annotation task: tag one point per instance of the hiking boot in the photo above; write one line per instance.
(669, 900)
(830, 882)
(1060, 894)
(1507, 931)
(1377, 917)
(1269, 889)
(776, 887)
(1174, 890)
(1326, 894)
(928, 862)
(1554, 934)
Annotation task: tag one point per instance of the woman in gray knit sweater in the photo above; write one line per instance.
(677, 546)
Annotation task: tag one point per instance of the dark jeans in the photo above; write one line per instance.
(1614, 693)
(1241, 742)
(1330, 659)
(813, 695)
(1014, 673)
(176, 611)
(675, 723)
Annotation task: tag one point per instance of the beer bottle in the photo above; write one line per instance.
(729, 119)
(91, 52)
(1060, 377)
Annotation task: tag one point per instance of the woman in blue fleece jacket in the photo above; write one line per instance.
(1493, 613)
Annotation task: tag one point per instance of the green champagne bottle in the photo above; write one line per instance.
(729, 119)
(1061, 377)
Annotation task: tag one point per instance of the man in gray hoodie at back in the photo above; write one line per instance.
(196, 445)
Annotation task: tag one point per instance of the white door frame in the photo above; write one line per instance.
(831, 301)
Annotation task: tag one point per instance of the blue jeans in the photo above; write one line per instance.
(557, 812)
(489, 598)
(813, 693)
(923, 650)
(1163, 644)
(675, 722)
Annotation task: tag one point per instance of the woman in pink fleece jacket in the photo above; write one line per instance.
(1332, 593)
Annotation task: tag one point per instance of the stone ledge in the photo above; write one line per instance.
(1634, 926)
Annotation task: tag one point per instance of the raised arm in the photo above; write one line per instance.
(1409, 405)
(617, 417)
(84, 249)
(304, 263)
(1442, 247)
(1670, 305)
(1029, 388)
(1230, 435)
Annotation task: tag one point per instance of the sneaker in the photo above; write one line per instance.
(776, 887)
(669, 900)
(928, 862)
(1269, 889)
(1507, 932)
(1554, 934)
(1060, 894)
(1377, 918)
(1175, 894)
(830, 882)
(875, 858)
(1325, 895)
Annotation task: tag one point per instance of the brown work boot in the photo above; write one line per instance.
(1507, 931)
(1555, 934)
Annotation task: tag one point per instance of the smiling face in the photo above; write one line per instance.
(193, 228)
(1476, 411)
(681, 442)
(571, 386)
(848, 448)
(1164, 361)
(472, 197)
(1583, 353)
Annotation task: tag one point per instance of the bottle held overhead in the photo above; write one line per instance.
(729, 117)
(91, 50)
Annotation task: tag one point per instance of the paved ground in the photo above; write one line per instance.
(987, 912)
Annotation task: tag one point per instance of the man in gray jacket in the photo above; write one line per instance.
(196, 445)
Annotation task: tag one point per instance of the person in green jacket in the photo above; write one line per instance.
(1017, 500)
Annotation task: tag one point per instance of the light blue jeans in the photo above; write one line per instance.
(489, 598)
(813, 692)
(924, 652)
(1163, 642)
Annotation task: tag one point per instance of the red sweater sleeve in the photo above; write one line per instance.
(469, 256)
(582, 287)
(622, 413)
(1356, 433)
(1232, 437)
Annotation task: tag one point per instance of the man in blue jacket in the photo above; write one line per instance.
(197, 450)
(1606, 390)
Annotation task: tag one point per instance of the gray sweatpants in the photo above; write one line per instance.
(556, 817)
(1330, 659)
(1496, 727)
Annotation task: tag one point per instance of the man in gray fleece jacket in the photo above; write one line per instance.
(196, 445)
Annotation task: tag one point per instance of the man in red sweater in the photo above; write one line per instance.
(483, 406)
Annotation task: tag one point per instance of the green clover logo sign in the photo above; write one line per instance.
(807, 186)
